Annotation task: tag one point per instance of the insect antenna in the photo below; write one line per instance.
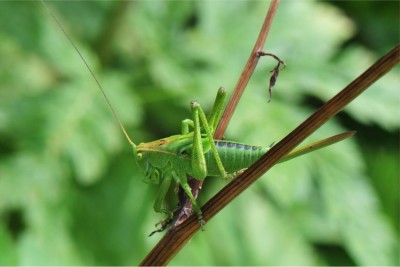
(91, 73)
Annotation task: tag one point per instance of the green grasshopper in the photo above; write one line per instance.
(169, 161)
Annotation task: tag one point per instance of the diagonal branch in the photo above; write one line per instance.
(177, 237)
(305, 129)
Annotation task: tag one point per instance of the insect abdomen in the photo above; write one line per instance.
(234, 156)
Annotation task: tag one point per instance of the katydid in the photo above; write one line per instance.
(169, 161)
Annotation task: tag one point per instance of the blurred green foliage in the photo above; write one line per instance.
(70, 193)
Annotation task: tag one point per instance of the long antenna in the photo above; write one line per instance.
(91, 72)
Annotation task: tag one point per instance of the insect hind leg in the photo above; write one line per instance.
(216, 112)
(198, 155)
(214, 116)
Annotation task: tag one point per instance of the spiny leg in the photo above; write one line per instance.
(199, 168)
(214, 116)
(198, 154)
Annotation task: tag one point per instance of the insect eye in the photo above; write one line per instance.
(139, 156)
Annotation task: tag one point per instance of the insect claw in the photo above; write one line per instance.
(164, 224)
(202, 223)
(161, 229)
(155, 231)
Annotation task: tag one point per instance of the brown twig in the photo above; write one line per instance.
(174, 240)
(247, 72)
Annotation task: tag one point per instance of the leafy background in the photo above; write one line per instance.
(70, 193)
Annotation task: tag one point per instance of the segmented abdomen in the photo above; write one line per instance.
(234, 156)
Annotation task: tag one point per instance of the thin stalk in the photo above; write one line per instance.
(247, 72)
